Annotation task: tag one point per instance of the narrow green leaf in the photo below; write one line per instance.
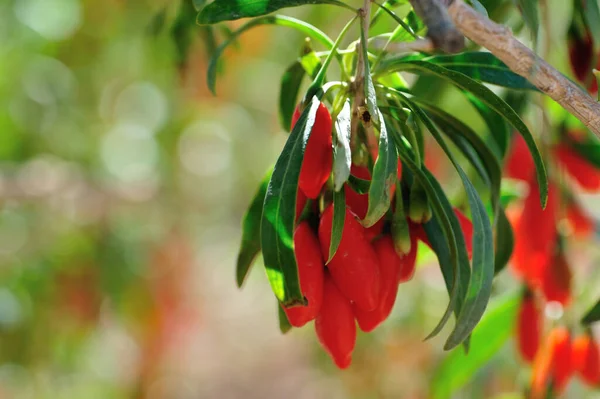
(284, 323)
(591, 13)
(370, 95)
(385, 173)
(482, 266)
(494, 102)
(458, 368)
(505, 241)
(497, 127)
(250, 246)
(288, 93)
(337, 226)
(229, 10)
(279, 20)
(361, 186)
(342, 155)
(198, 4)
(311, 63)
(279, 212)
(529, 10)
(592, 315)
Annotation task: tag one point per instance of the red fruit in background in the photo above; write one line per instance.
(535, 235)
(581, 224)
(310, 270)
(408, 262)
(390, 268)
(300, 203)
(354, 267)
(556, 280)
(586, 359)
(335, 325)
(580, 55)
(584, 173)
(529, 327)
(467, 228)
(519, 163)
(553, 364)
(318, 156)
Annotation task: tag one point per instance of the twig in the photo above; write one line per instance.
(440, 28)
(520, 59)
(419, 45)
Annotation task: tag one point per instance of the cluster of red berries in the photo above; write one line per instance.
(360, 282)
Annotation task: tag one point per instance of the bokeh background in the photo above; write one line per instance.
(123, 182)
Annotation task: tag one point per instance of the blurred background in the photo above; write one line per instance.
(123, 183)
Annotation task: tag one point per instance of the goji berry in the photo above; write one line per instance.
(586, 359)
(335, 326)
(553, 365)
(578, 168)
(318, 155)
(556, 280)
(581, 224)
(310, 271)
(300, 203)
(354, 267)
(390, 268)
(519, 163)
(529, 327)
(359, 203)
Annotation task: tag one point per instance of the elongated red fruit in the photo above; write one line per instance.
(390, 267)
(553, 365)
(556, 280)
(519, 163)
(335, 326)
(310, 270)
(578, 168)
(529, 327)
(354, 267)
(535, 235)
(318, 156)
(359, 203)
(581, 224)
(586, 359)
(300, 203)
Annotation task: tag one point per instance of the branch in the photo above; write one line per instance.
(500, 41)
(440, 28)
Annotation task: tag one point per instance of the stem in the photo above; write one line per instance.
(359, 77)
(500, 41)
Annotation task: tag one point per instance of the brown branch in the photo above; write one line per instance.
(440, 28)
(520, 59)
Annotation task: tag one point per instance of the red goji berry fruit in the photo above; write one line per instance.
(359, 203)
(335, 326)
(535, 235)
(318, 155)
(581, 224)
(556, 280)
(578, 168)
(354, 267)
(300, 203)
(553, 365)
(310, 271)
(519, 163)
(586, 359)
(390, 268)
(529, 327)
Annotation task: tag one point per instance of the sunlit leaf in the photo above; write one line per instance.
(228, 10)
(490, 335)
(342, 156)
(279, 212)
(385, 173)
(284, 323)
(250, 246)
(279, 20)
(337, 226)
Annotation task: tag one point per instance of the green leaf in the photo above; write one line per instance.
(250, 246)
(361, 186)
(370, 95)
(337, 226)
(497, 127)
(479, 65)
(529, 10)
(588, 149)
(342, 155)
(505, 241)
(279, 20)
(288, 93)
(198, 4)
(458, 368)
(482, 265)
(385, 173)
(279, 212)
(229, 10)
(311, 63)
(284, 323)
(592, 315)
(591, 13)
(493, 101)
